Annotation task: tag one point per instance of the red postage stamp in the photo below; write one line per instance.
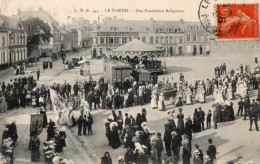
(237, 21)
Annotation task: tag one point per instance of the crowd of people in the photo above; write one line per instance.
(21, 92)
(47, 64)
(19, 69)
(144, 145)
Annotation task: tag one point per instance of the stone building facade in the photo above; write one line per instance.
(176, 38)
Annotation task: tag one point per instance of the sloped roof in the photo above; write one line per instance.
(122, 25)
(11, 22)
(136, 46)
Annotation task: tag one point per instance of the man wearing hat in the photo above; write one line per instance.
(240, 106)
(176, 144)
(247, 106)
(167, 138)
(202, 117)
(253, 115)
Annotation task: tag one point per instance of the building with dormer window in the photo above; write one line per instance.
(176, 38)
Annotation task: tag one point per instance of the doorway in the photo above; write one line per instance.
(194, 50)
(201, 50)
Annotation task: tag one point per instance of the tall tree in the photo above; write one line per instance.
(37, 32)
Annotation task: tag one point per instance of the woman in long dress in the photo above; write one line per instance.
(215, 91)
(197, 93)
(154, 101)
(188, 96)
(201, 95)
(3, 105)
(219, 97)
(230, 93)
(161, 105)
(115, 140)
(180, 123)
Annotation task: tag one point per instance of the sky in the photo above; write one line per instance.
(64, 10)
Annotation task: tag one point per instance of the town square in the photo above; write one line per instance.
(125, 91)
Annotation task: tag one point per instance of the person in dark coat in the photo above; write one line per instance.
(247, 106)
(196, 123)
(129, 155)
(127, 120)
(176, 144)
(80, 123)
(85, 124)
(180, 123)
(202, 117)
(51, 130)
(209, 115)
(35, 148)
(38, 74)
(13, 131)
(167, 138)
(211, 152)
(139, 120)
(186, 155)
(115, 140)
(188, 128)
(43, 112)
(106, 159)
(90, 121)
(60, 140)
(240, 107)
(253, 115)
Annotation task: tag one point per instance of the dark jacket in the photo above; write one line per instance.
(211, 152)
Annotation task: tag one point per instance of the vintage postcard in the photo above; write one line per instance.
(129, 81)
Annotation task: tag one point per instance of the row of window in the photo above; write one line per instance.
(18, 55)
(194, 27)
(17, 39)
(196, 38)
(152, 40)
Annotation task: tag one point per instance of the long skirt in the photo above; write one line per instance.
(154, 103)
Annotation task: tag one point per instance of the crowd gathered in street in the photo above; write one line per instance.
(142, 143)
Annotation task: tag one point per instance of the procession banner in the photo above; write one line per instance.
(36, 123)
(59, 107)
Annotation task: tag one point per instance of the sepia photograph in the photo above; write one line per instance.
(129, 82)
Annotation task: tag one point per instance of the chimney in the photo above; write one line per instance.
(181, 20)
(19, 11)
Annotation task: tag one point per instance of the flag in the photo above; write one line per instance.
(36, 123)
